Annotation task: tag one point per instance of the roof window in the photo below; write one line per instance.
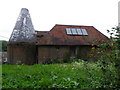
(76, 31)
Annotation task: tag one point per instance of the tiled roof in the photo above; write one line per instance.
(58, 36)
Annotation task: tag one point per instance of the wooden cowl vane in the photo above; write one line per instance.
(21, 47)
(23, 30)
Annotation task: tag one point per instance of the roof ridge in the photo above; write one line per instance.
(72, 25)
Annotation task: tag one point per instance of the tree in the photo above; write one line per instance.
(109, 52)
(3, 45)
(115, 36)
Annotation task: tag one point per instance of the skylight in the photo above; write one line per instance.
(73, 30)
(76, 31)
(68, 31)
(84, 32)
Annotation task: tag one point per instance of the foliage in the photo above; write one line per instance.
(116, 38)
(110, 52)
(3, 45)
(81, 74)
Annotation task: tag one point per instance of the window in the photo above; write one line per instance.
(84, 32)
(79, 31)
(76, 31)
(68, 31)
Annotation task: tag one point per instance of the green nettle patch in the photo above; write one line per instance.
(80, 74)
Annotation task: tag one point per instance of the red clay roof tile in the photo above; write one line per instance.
(58, 36)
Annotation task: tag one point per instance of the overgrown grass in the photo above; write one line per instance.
(68, 75)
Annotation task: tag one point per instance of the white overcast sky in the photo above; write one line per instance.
(102, 14)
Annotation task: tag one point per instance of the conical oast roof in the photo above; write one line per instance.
(23, 30)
